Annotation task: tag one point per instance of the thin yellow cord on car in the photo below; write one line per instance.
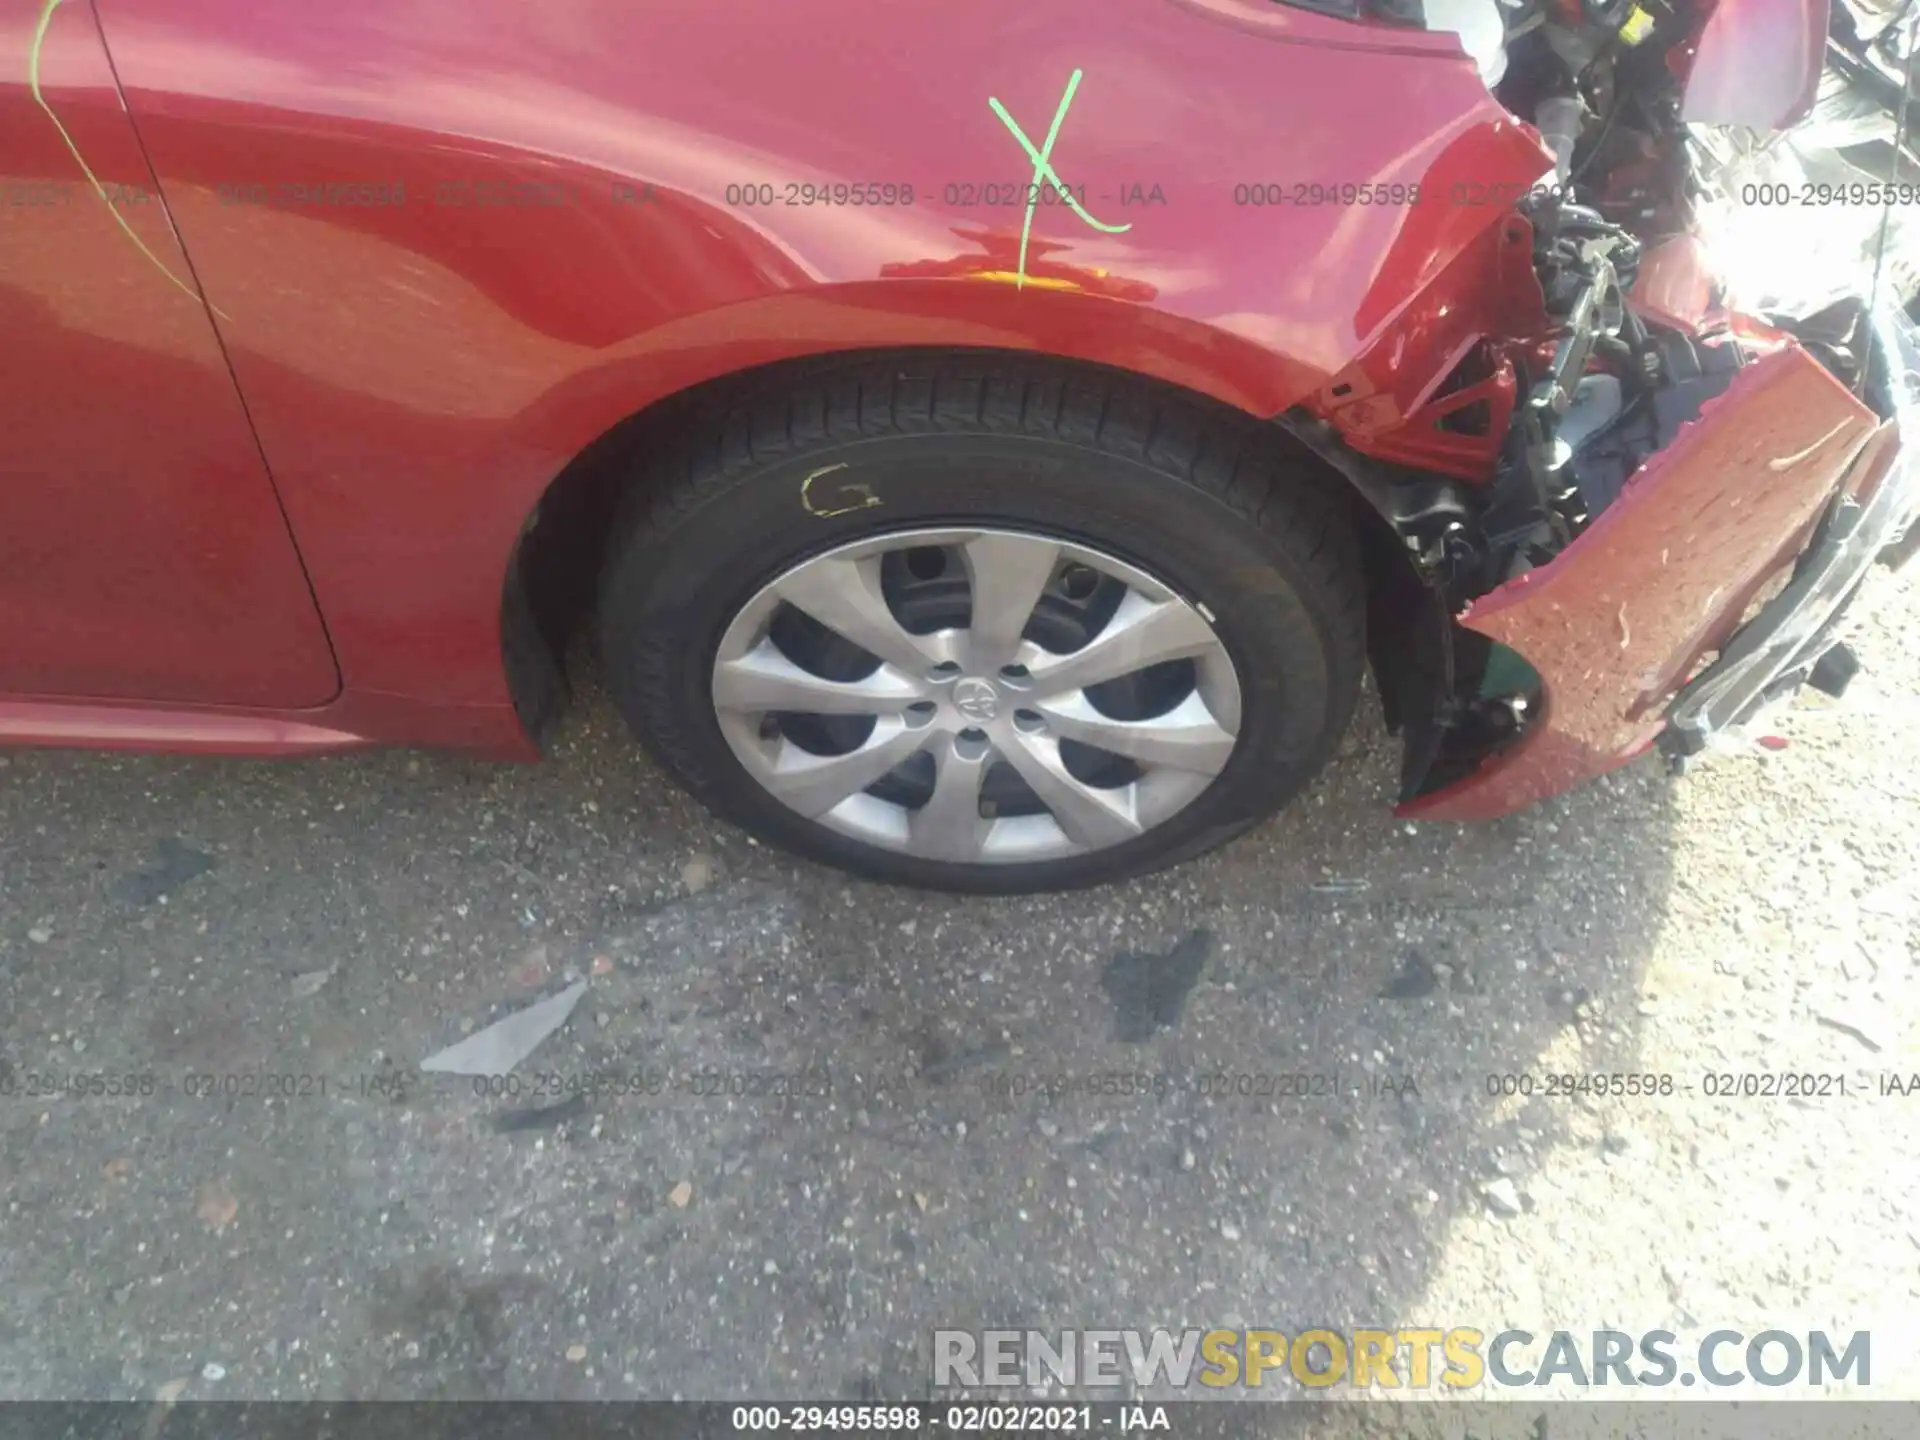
(33, 85)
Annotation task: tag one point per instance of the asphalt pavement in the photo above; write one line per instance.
(798, 1121)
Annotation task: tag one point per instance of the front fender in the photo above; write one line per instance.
(510, 234)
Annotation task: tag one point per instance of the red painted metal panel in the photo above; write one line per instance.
(422, 356)
(142, 552)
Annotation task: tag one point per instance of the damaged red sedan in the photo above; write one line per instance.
(987, 444)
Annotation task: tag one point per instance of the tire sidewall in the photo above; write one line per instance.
(669, 600)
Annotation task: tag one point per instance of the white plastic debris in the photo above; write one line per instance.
(500, 1047)
(310, 983)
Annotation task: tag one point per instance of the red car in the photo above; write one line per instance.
(988, 442)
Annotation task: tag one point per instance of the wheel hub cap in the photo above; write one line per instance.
(976, 699)
(977, 696)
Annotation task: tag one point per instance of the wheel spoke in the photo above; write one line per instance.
(1088, 816)
(976, 692)
(1007, 574)
(814, 784)
(949, 825)
(1186, 737)
(764, 679)
(845, 596)
(1142, 632)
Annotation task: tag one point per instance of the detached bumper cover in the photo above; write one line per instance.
(1785, 464)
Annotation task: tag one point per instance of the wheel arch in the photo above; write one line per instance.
(547, 592)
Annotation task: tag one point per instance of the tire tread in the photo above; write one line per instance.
(1123, 417)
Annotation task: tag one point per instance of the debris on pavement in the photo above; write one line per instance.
(164, 1399)
(499, 1048)
(1849, 1023)
(542, 1117)
(697, 874)
(216, 1205)
(681, 1194)
(534, 969)
(176, 863)
(309, 983)
(1502, 1197)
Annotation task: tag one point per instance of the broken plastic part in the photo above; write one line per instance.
(1834, 671)
(499, 1049)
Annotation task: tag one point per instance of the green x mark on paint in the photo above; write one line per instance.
(1043, 170)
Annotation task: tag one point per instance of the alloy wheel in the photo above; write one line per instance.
(977, 696)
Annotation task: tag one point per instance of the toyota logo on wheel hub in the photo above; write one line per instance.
(976, 699)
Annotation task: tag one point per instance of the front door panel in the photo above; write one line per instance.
(143, 554)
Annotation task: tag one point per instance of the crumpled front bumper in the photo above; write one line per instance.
(1785, 472)
(1778, 648)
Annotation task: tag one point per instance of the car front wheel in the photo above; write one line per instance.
(983, 625)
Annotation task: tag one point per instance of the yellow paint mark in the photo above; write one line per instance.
(1010, 277)
(33, 85)
(867, 499)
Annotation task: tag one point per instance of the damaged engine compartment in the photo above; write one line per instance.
(1636, 339)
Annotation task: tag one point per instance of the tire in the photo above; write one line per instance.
(1192, 498)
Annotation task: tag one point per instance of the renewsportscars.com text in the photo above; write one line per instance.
(1457, 1358)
